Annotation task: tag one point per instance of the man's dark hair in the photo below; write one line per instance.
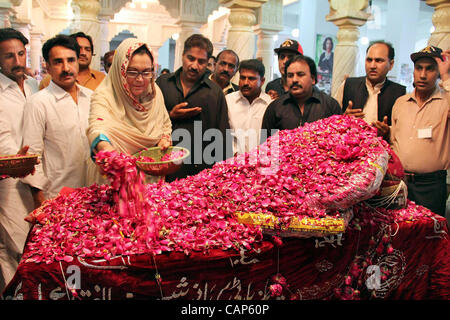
(10, 33)
(391, 51)
(228, 51)
(198, 41)
(253, 64)
(324, 46)
(60, 40)
(308, 60)
(109, 54)
(83, 35)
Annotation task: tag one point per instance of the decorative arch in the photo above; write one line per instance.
(138, 30)
(119, 37)
(111, 7)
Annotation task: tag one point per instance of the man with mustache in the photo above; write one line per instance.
(420, 133)
(246, 107)
(226, 66)
(197, 107)
(373, 96)
(87, 77)
(16, 200)
(303, 103)
(55, 123)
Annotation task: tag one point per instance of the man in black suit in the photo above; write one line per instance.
(373, 96)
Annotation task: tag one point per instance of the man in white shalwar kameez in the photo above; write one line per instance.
(56, 119)
(16, 200)
(246, 107)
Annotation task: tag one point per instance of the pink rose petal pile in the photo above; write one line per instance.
(129, 217)
(172, 155)
(313, 171)
(166, 157)
(310, 171)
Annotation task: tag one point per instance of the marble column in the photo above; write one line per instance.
(191, 15)
(265, 47)
(187, 28)
(308, 16)
(402, 34)
(242, 18)
(441, 21)
(270, 23)
(86, 20)
(6, 12)
(347, 15)
(23, 26)
(155, 53)
(36, 38)
(104, 35)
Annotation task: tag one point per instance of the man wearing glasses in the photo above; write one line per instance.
(87, 77)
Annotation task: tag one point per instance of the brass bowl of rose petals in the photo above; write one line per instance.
(17, 166)
(157, 162)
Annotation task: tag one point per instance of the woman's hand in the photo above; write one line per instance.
(164, 143)
(104, 146)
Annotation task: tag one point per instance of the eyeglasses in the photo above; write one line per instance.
(145, 74)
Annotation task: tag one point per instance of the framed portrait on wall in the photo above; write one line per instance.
(324, 58)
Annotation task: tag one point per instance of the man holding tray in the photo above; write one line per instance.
(16, 200)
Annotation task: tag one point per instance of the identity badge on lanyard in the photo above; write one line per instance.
(424, 133)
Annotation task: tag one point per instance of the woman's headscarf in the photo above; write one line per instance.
(131, 125)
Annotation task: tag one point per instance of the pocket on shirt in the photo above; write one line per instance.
(59, 133)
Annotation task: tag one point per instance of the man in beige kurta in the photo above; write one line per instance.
(420, 133)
